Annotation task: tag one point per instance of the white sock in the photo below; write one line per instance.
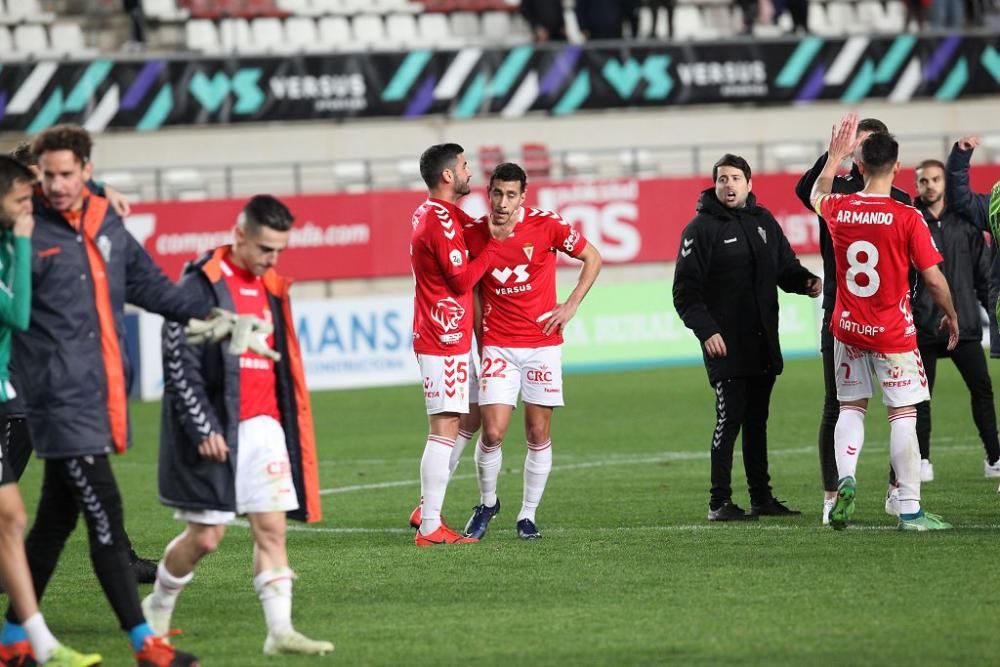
(904, 454)
(537, 465)
(848, 439)
(274, 588)
(456, 453)
(434, 481)
(43, 642)
(167, 587)
(488, 462)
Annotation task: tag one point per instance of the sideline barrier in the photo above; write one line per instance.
(146, 94)
(352, 343)
(367, 235)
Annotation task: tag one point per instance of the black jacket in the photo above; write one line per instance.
(846, 185)
(729, 266)
(973, 206)
(966, 265)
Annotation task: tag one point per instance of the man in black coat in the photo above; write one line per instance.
(967, 268)
(849, 184)
(732, 259)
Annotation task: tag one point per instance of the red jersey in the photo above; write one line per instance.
(875, 241)
(520, 285)
(444, 277)
(258, 384)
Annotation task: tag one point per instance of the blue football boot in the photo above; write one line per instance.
(480, 520)
(527, 530)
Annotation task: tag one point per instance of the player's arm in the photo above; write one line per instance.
(843, 141)
(694, 258)
(15, 299)
(803, 189)
(937, 285)
(564, 312)
(958, 193)
(147, 287)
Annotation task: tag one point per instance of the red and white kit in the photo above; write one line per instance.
(518, 293)
(442, 305)
(876, 240)
(263, 472)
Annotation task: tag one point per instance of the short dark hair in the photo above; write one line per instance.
(436, 159)
(266, 211)
(872, 125)
(879, 152)
(22, 153)
(508, 172)
(64, 138)
(11, 172)
(730, 160)
(930, 163)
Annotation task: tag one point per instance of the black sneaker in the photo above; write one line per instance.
(480, 520)
(729, 512)
(527, 530)
(143, 568)
(773, 507)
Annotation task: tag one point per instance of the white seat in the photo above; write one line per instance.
(28, 10)
(793, 157)
(6, 42)
(368, 29)
(202, 35)
(31, 39)
(401, 29)
(301, 34)
(892, 18)
(991, 142)
(67, 39)
(351, 175)
(408, 171)
(335, 33)
(356, 7)
(184, 183)
(578, 163)
(235, 36)
(687, 22)
(297, 7)
(124, 182)
(323, 7)
(267, 34)
(433, 29)
(164, 10)
(465, 26)
(638, 162)
(496, 26)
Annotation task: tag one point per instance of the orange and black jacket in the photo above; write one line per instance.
(202, 396)
(71, 365)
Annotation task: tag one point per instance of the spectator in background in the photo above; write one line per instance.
(546, 18)
(600, 19)
(630, 17)
(799, 11)
(668, 7)
(916, 10)
(945, 14)
(137, 25)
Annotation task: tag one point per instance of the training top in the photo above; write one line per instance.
(15, 298)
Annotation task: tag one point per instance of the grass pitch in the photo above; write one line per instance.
(629, 570)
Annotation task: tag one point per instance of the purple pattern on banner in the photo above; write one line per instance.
(3, 103)
(147, 77)
(423, 100)
(814, 85)
(561, 69)
(939, 60)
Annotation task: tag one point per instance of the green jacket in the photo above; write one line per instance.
(15, 298)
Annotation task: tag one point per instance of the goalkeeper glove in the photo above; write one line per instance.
(250, 333)
(218, 325)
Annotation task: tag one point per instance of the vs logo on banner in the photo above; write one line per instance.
(211, 93)
(625, 77)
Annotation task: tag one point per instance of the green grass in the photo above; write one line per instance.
(629, 571)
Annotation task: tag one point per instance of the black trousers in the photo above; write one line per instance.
(741, 404)
(831, 410)
(18, 446)
(970, 361)
(84, 485)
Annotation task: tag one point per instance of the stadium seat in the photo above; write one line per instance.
(185, 184)
(164, 10)
(793, 157)
(401, 30)
(67, 39)
(408, 171)
(326, 7)
(351, 175)
(496, 27)
(301, 34)
(687, 22)
(27, 10)
(489, 158)
(465, 26)
(235, 36)
(991, 142)
(638, 162)
(433, 29)
(335, 33)
(124, 182)
(6, 42)
(536, 160)
(31, 39)
(369, 30)
(267, 34)
(579, 164)
(298, 7)
(202, 35)
(357, 7)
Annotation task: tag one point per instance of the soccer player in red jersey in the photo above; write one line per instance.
(442, 323)
(522, 337)
(876, 240)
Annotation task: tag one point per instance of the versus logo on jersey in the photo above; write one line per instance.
(520, 273)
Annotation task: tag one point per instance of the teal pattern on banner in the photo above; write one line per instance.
(158, 110)
(858, 89)
(406, 74)
(991, 61)
(953, 85)
(893, 60)
(575, 96)
(799, 62)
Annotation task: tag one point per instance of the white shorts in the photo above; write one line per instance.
(901, 374)
(447, 382)
(536, 372)
(263, 475)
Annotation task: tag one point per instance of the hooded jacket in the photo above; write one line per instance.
(71, 366)
(729, 267)
(202, 396)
